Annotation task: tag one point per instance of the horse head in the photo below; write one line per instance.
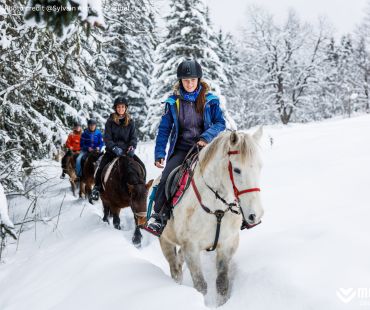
(137, 189)
(233, 158)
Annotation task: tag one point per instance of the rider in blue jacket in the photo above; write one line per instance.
(192, 115)
(91, 140)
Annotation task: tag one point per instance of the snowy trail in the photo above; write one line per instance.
(313, 240)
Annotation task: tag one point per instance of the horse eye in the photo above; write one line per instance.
(237, 170)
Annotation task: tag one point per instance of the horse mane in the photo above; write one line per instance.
(132, 173)
(229, 141)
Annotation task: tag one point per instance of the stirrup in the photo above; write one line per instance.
(95, 194)
(160, 220)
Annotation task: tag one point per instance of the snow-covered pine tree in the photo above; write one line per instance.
(131, 39)
(189, 35)
(60, 16)
(228, 54)
(45, 86)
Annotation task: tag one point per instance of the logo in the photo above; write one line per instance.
(346, 294)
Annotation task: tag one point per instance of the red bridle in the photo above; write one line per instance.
(238, 193)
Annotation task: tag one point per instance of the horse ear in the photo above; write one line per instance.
(258, 134)
(234, 138)
(149, 184)
(130, 188)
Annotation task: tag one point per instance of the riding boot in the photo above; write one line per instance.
(158, 221)
(63, 175)
(95, 193)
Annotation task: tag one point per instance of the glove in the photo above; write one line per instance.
(118, 151)
(130, 151)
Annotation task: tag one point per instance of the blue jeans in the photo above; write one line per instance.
(78, 163)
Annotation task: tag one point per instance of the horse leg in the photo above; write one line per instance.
(192, 258)
(174, 259)
(137, 237)
(223, 259)
(80, 192)
(106, 213)
(88, 187)
(116, 219)
(73, 187)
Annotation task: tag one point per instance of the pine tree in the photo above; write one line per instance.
(59, 16)
(45, 85)
(130, 49)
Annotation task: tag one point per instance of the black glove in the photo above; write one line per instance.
(118, 151)
(130, 151)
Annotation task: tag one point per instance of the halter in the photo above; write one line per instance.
(238, 193)
(220, 213)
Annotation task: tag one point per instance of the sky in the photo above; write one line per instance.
(343, 14)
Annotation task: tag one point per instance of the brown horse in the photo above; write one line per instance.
(87, 179)
(125, 186)
(69, 167)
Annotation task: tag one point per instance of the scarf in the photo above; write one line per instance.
(190, 96)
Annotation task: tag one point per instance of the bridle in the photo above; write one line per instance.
(237, 192)
(220, 213)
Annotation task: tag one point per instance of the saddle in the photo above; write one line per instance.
(179, 179)
(107, 170)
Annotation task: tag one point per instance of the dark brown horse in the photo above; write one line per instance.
(69, 167)
(125, 186)
(87, 179)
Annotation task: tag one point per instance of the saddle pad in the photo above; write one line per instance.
(108, 170)
(181, 188)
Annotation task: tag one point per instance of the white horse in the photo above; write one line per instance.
(229, 166)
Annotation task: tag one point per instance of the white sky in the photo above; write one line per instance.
(343, 14)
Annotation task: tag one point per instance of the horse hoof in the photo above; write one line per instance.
(117, 226)
(105, 219)
(136, 240)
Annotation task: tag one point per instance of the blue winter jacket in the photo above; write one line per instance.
(214, 123)
(91, 139)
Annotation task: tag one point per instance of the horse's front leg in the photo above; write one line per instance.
(137, 237)
(175, 259)
(192, 258)
(224, 255)
(116, 219)
(73, 186)
(106, 211)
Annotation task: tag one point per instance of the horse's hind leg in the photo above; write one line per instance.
(174, 259)
(137, 237)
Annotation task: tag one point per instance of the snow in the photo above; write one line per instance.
(312, 242)
(4, 216)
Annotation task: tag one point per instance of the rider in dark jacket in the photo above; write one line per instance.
(120, 138)
(192, 116)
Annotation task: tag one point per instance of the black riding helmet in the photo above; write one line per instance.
(189, 69)
(91, 121)
(120, 100)
(76, 124)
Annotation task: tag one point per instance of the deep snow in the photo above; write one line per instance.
(312, 242)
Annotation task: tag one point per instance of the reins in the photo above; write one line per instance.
(220, 213)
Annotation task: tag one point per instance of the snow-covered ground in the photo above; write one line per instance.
(313, 242)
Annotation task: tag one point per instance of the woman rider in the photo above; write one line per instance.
(120, 138)
(192, 115)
